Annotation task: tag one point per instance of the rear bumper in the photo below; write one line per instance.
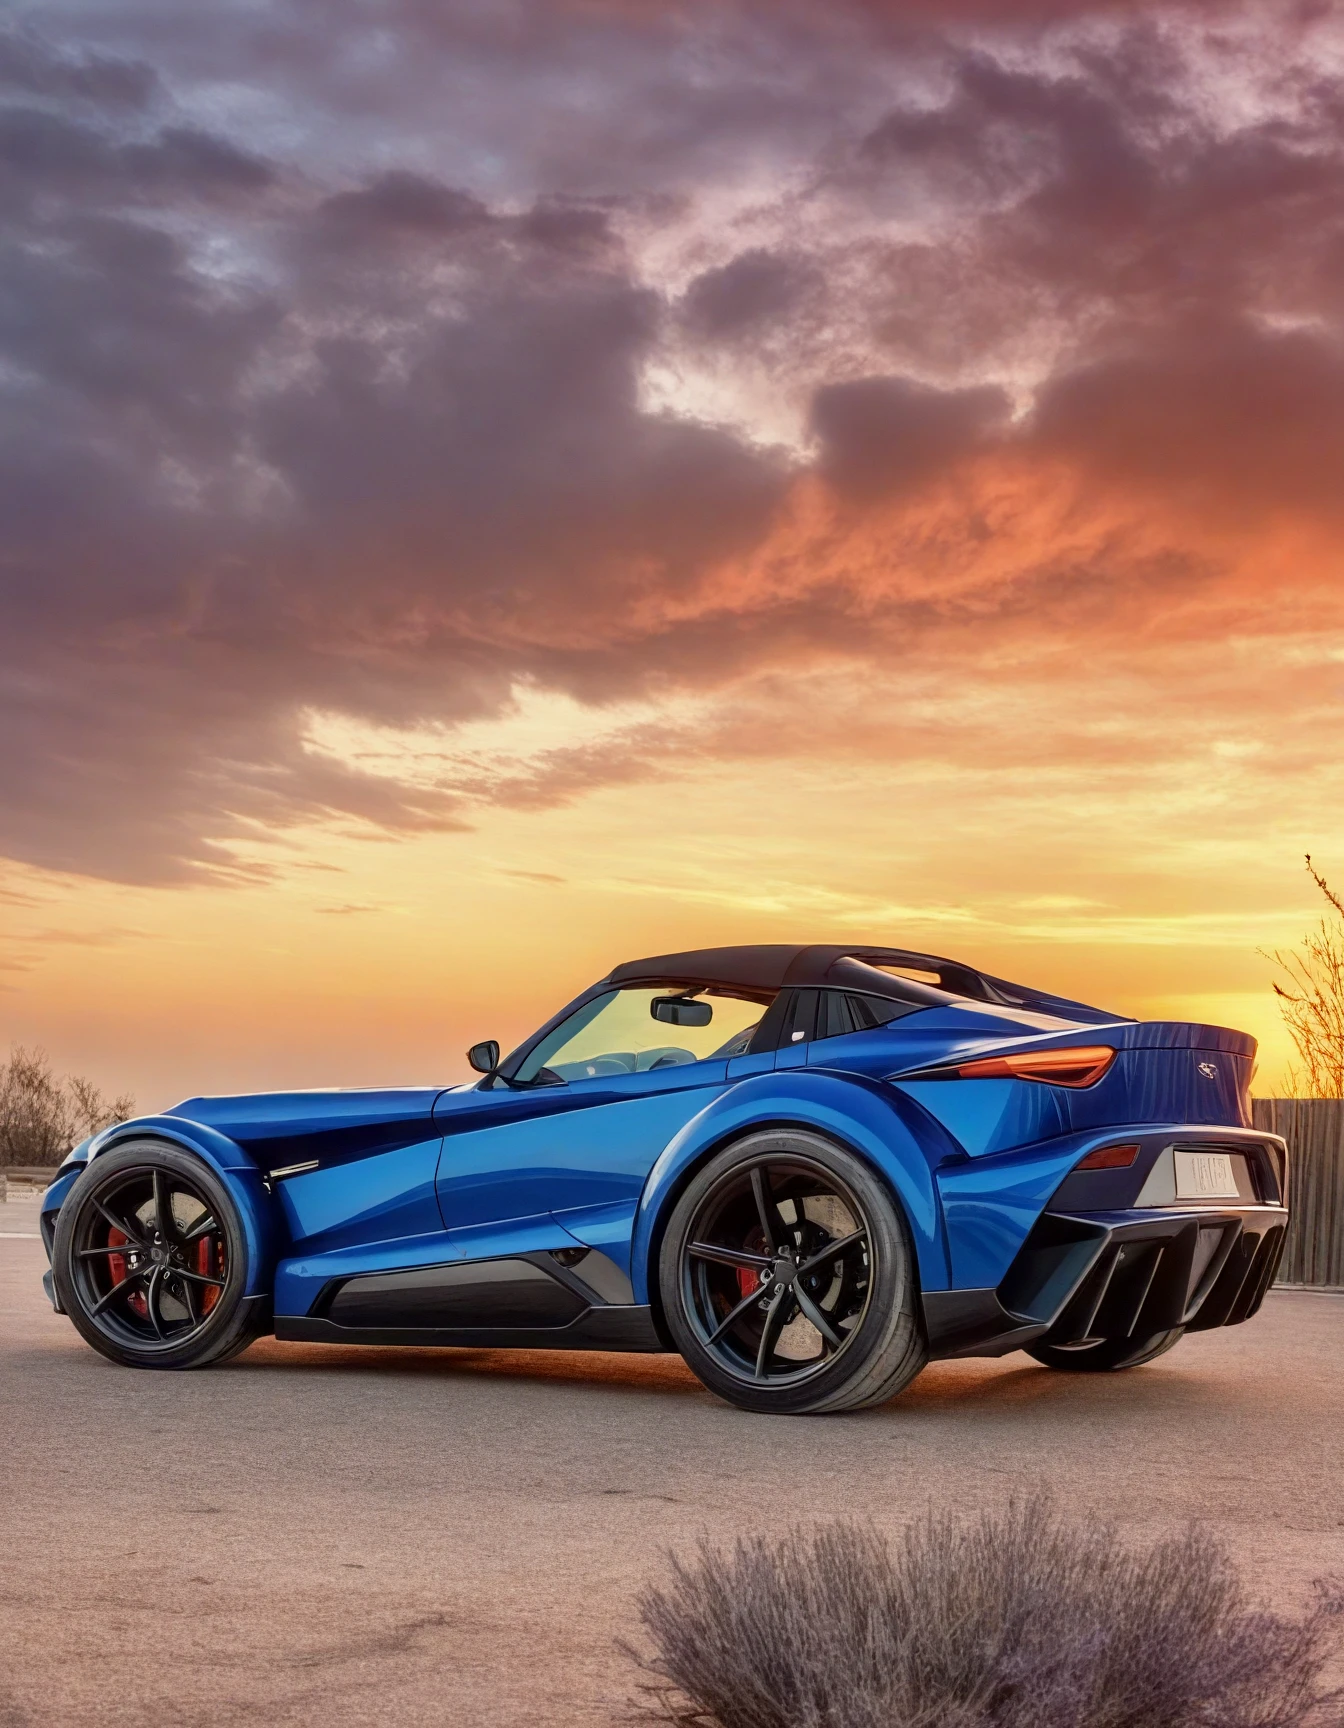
(1131, 1274)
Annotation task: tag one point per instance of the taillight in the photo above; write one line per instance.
(1073, 1067)
(1108, 1158)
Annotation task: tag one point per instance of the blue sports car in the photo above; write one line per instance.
(808, 1169)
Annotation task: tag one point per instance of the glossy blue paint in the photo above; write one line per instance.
(278, 1128)
(941, 1035)
(608, 1228)
(974, 1112)
(200, 1137)
(557, 1148)
(989, 1205)
(301, 1278)
(1158, 1083)
(54, 1197)
(863, 1114)
(386, 1195)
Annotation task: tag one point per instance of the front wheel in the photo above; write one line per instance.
(1107, 1355)
(788, 1278)
(150, 1260)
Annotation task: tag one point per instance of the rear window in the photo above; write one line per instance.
(833, 1013)
(842, 1011)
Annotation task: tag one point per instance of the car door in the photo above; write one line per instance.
(591, 1108)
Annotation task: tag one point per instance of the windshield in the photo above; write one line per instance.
(616, 1033)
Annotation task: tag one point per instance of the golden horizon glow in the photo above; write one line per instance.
(366, 962)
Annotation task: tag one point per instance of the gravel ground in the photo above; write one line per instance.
(343, 1537)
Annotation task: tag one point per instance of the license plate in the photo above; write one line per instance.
(1205, 1176)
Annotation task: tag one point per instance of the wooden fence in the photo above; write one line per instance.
(1314, 1130)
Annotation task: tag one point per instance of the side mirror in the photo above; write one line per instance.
(484, 1057)
(681, 1011)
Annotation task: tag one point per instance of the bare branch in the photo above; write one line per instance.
(1311, 998)
(1325, 887)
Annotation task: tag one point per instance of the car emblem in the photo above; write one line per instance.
(1209, 1070)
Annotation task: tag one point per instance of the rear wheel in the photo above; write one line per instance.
(150, 1260)
(788, 1279)
(1107, 1355)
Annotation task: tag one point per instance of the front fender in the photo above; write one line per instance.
(217, 1149)
(234, 1168)
(871, 1119)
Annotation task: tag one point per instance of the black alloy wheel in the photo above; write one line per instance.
(787, 1278)
(150, 1260)
(777, 1292)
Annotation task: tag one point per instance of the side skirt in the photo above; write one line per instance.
(628, 1327)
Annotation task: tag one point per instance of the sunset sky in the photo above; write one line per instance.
(496, 487)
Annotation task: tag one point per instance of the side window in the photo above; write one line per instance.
(845, 1011)
(800, 1023)
(619, 1032)
(837, 1015)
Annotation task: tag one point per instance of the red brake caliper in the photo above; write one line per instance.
(117, 1267)
(747, 1278)
(116, 1263)
(209, 1265)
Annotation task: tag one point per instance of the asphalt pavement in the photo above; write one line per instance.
(339, 1537)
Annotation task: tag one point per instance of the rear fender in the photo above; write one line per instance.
(871, 1119)
(233, 1167)
(990, 1204)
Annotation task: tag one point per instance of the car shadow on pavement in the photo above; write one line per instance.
(663, 1373)
(998, 1383)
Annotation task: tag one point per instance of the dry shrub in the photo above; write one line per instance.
(42, 1117)
(1021, 1620)
(1312, 999)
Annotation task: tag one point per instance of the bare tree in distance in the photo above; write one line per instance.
(1312, 999)
(43, 1116)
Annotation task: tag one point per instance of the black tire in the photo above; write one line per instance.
(865, 1294)
(1108, 1356)
(150, 1260)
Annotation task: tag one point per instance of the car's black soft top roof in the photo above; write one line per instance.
(780, 965)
